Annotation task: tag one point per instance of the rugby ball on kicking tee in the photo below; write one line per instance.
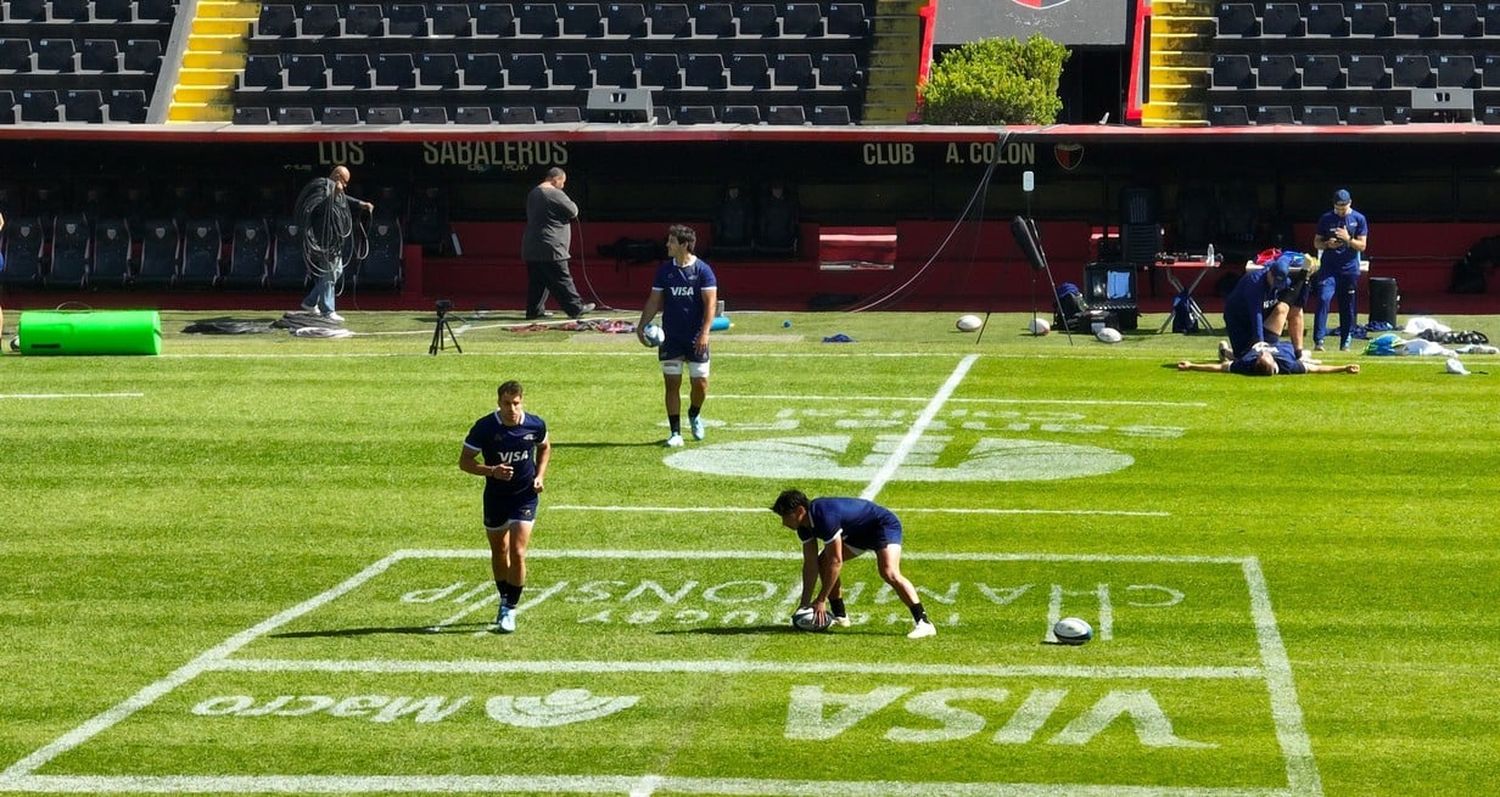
(968, 323)
(1109, 335)
(1072, 631)
(1039, 326)
(805, 619)
(653, 335)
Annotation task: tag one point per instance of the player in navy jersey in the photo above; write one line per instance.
(1343, 233)
(1268, 359)
(847, 527)
(685, 292)
(515, 449)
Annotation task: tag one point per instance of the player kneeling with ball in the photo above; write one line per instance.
(847, 527)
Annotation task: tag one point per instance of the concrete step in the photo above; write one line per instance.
(200, 112)
(216, 43)
(1180, 59)
(228, 8)
(200, 94)
(204, 78)
(211, 60)
(235, 27)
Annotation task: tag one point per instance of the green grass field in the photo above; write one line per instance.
(252, 565)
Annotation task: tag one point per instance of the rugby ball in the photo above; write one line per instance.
(1072, 631)
(968, 323)
(1039, 326)
(653, 335)
(805, 619)
(1109, 335)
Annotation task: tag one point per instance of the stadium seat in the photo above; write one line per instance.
(127, 105)
(670, 21)
(201, 250)
(495, 19)
(741, 114)
(294, 116)
(1228, 115)
(7, 110)
(696, 115)
(350, 71)
(306, 71)
(262, 72)
(1326, 19)
(704, 70)
(427, 115)
(364, 20)
(1491, 115)
(528, 70)
(1368, 71)
(1370, 19)
(483, 70)
(1460, 19)
(406, 20)
(381, 266)
(831, 115)
(571, 70)
(384, 115)
(660, 71)
(56, 55)
(394, 71)
(112, 244)
(142, 55)
(70, 11)
(288, 268)
(794, 71)
(1238, 19)
(749, 72)
(113, 10)
(801, 20)
(38, 106)
(1322, 72)
(1274, 115)
(562, 114)
(582, 19)
(451, 19)
(25, 11)
(614, 70)
(15, 55)
(847, 19)
(1277, 72)
(71, 243)
(158, 10)
(1320, 115)
(712, 20)
(473, 115)
(275, 22)
(1366, 115)
(1492, 18)
(1412, 71)
(83, 105)
(839, 71)
(1457, 72)
(786, 115)
(340, 115)
(1490, 71)
(1232, 72)
(249, 254)
(1281, 19)
(539, 19)
(758, 20)
(517, 115)
(24, 239)
(99, 55)
(159, 252)
(318, 20)
(1415, 19)
(625, 20)
(252, 115)
(438, 71)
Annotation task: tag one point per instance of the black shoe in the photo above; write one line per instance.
(545, 314)
(586, 307)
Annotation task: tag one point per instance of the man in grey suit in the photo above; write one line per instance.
(544, 247)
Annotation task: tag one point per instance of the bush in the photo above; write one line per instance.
(996, 82)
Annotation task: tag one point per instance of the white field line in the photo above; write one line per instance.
(535, 599)
(731, 667)
(907, 509)
(888, 399)
(595, 784)
(556, 553)
(1296, 747)
(70, 395)
(909, 441)
(185, 673)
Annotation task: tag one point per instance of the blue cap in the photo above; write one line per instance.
(1341, 197)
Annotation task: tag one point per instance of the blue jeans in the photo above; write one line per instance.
(321, 295)
(1346, 286)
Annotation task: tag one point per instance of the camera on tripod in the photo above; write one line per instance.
(443, 332)
(443, 307)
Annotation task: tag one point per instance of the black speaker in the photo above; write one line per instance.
(1385, 300)
(618, 105)
(1024, 231)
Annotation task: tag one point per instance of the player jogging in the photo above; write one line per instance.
(847, 527)
(516, 450)
(685, 292)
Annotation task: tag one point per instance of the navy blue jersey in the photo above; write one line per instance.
(1343, 260)
(508, 445)
(1286, 362)
(682, 298)
(862, 524)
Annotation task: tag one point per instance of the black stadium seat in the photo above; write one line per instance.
(562, 114)
(1232, 72)
(1368, 71)
(786, 115)
(341, 115)
(801, 19)
(71, 241)
(381, 266)
(1320, 115)
(1415, 19)
(350, 71)
(1457, 71)
(847, 19)
(1412, 71)
(495, 19)
(1277, 72)
(307, 71)
(364, 20)
(1369, 19)
(70, 10)
(1366, 115)
(582, 19)
(1228, 116)
(262, 72)
(384, 115)
(1326, 19)
(142, 55)
(660, 71)
(1492, 18)
(7, 107)
(759, 20)
(483, 70)
(794, 71)
(451, 19)
(749, 72)
(1281, 19)
(517, 115)
(83, 105)
(15, 55)
(276, 22)
(394, 71)
(99, 55)
(406, 20)
(740, 114)
(160, 247)
(1490, 71)
(627, 20)
(1238, 19)
(23, 251)
(829, 115)
(539, 19)
(713, 20)
(25, 11)
(38, 106)
(438, 70)
(1322, 71)
(1460, 19)
(1492, 115)
(473, 115)
(294, 116)
(571, 70)
(614, 70)
(318, 20)
(1274, 115)
(527, 70)
(56, 55)
(696, 115)
(249, 254)
(704, 70)
(670, 21)
(252, 115)
(112, 244)
(838, 71)
(113, 10)
(127, 105)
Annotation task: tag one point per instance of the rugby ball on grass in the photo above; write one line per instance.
(1109, 335)
(653, 335)
(968, 323)
(1039, 326)
(1072, 631)
(805, 619)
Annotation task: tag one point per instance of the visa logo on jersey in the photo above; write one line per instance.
(682, 291)
(509, 457)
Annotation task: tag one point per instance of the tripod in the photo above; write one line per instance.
(438, 341)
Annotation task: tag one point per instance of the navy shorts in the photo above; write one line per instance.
(677, 349)
(889, 533)
(500, 510)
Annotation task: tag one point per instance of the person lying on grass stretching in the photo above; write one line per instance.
(847, 527)
(1266, 359)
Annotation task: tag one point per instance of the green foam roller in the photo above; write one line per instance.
(82, 333)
